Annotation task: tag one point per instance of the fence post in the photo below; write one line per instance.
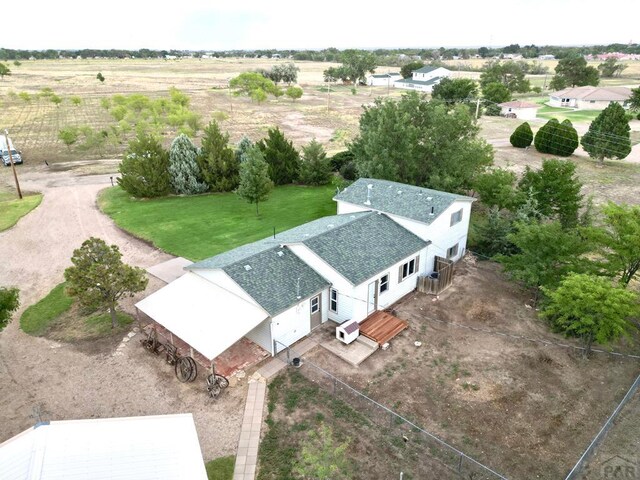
(334, 387)
(460, 464)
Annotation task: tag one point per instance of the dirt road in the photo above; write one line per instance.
(62, 381)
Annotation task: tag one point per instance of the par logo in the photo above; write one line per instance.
(620, 468)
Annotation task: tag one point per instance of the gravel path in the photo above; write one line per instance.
(61, 381)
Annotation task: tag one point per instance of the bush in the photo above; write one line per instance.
(282, 157)
(340, 159)
(314, 166)
(557, 138)
(492, 110)
(545, 136)
(522, 136)
(349, 171)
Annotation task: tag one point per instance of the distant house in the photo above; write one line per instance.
(518, 109)
(423, 79)
(383, 79)
(129, 448)
(341, 267)
(589, 98)
(546, 57)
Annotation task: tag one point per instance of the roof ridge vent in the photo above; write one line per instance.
(280, 253)
(429, 199)
(248, 267)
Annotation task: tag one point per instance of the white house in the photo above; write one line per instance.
(383, 79)
(130, 448)
(589, 98)
(423, 79)
(519, 109)
(341, 267)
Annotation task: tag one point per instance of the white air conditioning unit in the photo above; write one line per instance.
(348, 331)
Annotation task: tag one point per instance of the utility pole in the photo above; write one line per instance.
(13, 167)
(328, 94)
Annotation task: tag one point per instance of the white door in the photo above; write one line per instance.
(372, 297)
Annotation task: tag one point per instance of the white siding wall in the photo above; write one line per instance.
(262, 335)
(292, 324)
(438, 72)
(220, 278)
(521, 113)
(345, 207)
(345, 307)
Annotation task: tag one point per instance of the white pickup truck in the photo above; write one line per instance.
(4, 152)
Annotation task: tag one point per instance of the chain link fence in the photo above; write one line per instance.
(396, 427)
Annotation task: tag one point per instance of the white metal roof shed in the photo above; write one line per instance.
(130, 448)
(206, 316)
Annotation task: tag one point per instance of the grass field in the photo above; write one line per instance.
(201, 226)
(13, 209)
(56, 316)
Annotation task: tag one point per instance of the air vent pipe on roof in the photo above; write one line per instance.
(369, 187)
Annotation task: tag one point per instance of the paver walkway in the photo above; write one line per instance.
(247, 456)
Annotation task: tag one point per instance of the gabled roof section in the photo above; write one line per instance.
(595, 93)
(360, 249)
(426, 69)
(276, 278)
(431, 81)
(399, 199)
(519, 104)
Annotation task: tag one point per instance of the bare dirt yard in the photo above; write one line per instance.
(90, 379)
(522, 408)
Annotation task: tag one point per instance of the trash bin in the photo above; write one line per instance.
(434, 275)
(296, 362)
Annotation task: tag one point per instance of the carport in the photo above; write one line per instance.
(207, 317)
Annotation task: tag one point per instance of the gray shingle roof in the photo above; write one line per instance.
(360, 249)
(431, 81)
(425, 69)
(276, 278)
(399, 199)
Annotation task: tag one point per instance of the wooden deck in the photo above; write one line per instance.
(381, 327)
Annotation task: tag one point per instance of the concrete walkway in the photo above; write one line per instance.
(247, 457)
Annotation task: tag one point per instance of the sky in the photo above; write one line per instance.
(285, 24)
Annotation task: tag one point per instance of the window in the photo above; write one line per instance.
(408, 269)
(315, 305)
(333, 300)
(384, 283)
(453, 251)
(456, 217)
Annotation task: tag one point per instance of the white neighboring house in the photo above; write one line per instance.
(589, 98)
(519, 109)
(341, 267)
(383, 79)
(130, 448)
(423, 79)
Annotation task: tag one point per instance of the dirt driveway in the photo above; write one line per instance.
(66, 382)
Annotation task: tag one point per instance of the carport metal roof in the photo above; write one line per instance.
(209, 318)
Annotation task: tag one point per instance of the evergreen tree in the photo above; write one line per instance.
(491, 235)
(566, 139)
(282, 158)
(546, 136)
(255, 184)
(144, 171)
(217, 161)
(608, 135)
(522, 136)
(241, 150)
(315, 168)
(183, 168)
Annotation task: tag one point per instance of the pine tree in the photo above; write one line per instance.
(608, 135)
(144, 171)
(315, 168)
(522, 136)
(217, 161)
(255, 184)
(283, 159)
(241, 150)
(183, 168)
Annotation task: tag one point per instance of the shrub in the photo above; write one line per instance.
(282, 157)
(340, 159)
(144, 172)
(522, 136)
(349, 171)
(492, 110)
(314, 167)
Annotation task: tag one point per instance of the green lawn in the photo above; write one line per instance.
(221, 468)
(13, 209)
(545, 111)
(201, 226)
(57, 317)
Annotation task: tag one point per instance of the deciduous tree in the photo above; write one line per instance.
(68, 136)
(456, 90)
(293, 93)
(99, 278)
(217, 160)
(407, 70)
(255, 184)
(573, 71)
(412, 140)
(511, 74)
(611, 68)
(4, 70)
(100, 77)
(186, 178)
(253, 85)
(590, 308)
(9, 303)
(496, 188)
(608, 135)
(357, 64)
(282, 158)
(144, 171)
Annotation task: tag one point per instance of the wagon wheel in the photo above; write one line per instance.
(185, 369)
(213, 387)
(222, 381)
(194, 373)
